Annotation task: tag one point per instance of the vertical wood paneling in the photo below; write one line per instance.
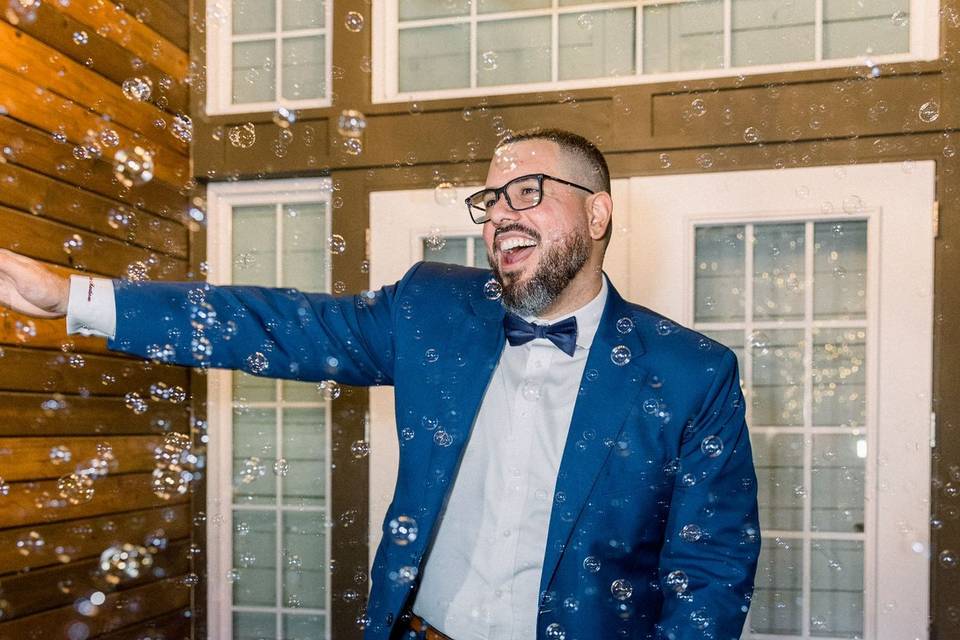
(64, 399)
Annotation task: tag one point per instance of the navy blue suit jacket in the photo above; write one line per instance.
(654, 530)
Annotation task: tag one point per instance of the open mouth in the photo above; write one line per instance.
(515, 250)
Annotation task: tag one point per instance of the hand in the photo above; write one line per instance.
(29, 288)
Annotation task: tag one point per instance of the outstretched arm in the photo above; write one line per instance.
(712, 539)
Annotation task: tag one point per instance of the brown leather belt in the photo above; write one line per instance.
(420, 625)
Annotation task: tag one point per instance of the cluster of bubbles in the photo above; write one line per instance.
(133, 167)
(123, 562)
(138, 88)
(173, 470)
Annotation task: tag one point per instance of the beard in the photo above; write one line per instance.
(558, 265)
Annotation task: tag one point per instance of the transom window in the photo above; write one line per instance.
(264, 54)
(435, 49)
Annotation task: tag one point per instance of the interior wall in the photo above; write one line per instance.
(63, 399)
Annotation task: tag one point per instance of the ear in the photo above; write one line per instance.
(599, 214)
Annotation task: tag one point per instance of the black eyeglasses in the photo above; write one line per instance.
(521, 193)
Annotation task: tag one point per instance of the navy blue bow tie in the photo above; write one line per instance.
(563, 333)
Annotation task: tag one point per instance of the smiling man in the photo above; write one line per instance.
(572, 466)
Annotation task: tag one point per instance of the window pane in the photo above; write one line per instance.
(305, 450)
(254, 451)
(303, 68)
(435, 58)
(254, 558)
(493, 6)
(598, 44)
(302, 14)
(254, 626)
(570, 3)
(255, 245)
(253, 72)
(416, 9)
(771, 31)
(480, 253)
(304, 246)
(839, 377)
(839, 463)
(304, 627)
(778, 271)
(451, 251)
(777, 377)
(855, 28)
(779, 462)
(513, 51)
(683, 37)
(305, 563)
(300, 392)
(248, 388)
(719, 279)
(836, 598)
(840, 270)
(254, 16)
(777, 604)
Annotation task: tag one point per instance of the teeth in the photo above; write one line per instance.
(513, 243)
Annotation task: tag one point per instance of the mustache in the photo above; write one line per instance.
(516, 226)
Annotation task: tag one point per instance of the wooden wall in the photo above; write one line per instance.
(58, 92)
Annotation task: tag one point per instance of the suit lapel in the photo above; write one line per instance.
(607, 393)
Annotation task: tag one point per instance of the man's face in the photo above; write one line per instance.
(533, 277)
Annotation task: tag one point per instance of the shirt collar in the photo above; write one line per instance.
(588, 316)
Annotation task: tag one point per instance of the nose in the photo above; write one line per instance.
(501, 212)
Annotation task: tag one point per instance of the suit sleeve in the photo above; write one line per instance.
(277, 333)
(712, 539)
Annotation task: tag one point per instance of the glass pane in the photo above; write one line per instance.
(719, 280)
(836, 596)
(255, 245)
(254, 626)
(416, 9)
(305, 560)
(254, 447)
(451, 251)
(840, 270)
(300, 391)
(839, 465)
(777, 604)
(513, 51)
(248, 388)
(253, 72)
(304, 246)
(302, 14)
(435, 58)
(771, 31)
(839, 377)
(854, 28)
(254, 558)
(493, 6)
(304, 71)
(480, 253)
(734, 339)
(779, 462)
(570, 3)
(598, 44)
(777, 377)
(778, 288)
(253, 16)
(683, 37)
(304, 627)
(305, 451)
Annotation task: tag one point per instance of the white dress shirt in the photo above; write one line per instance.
(482, 577)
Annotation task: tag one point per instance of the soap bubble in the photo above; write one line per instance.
(73, 244)
(283, 117)
(591, 564)
(257, 363)
(167, 482)
(445, 194)
(620, 355)
(126, 561)
(137, 88)
(751, 135)
(929, 111)
(133, 167)
(691, 532)
(353, 22)
(330, 389)
(60, 454)
(251, 470)
(555, 632)
(281, 468)
(351, 123)
(135, 402)
(80, 38)
(30, 542)
(336, 244)
(76, 488)
(624, 325)
(360, 449)
(711, 446)
(182, 128)
(353, 146)
(900, 18)
(678, 581)
(621, 589)
(488, 60)
(243, 136)
(492, 290)
(403, 530)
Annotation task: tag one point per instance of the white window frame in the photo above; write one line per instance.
(924, 45)
(222, 197)
(219, 93)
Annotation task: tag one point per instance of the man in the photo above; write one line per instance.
(572, 466)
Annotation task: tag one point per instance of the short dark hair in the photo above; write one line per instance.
(572, 143)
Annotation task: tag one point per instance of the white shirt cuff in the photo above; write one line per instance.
(91, 307)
